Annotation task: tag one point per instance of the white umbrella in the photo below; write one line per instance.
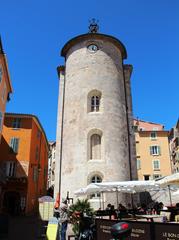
(80, 192)
(169, 180)
(129, 186)
(175, 193)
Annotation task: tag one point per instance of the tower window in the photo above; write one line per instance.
(95, 103)
(95, 146)
(96, 179)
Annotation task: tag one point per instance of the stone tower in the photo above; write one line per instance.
(94, 123)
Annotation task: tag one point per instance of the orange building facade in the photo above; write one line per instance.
(5, 86)
(23, 164)
(152, 150)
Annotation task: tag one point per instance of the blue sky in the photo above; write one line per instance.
(34, 31)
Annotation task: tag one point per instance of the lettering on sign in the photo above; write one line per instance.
(167, 231)
(136, 232)
(105, 229)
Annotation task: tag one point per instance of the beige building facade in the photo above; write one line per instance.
(152, 150)
(95, 141)
(51, 166)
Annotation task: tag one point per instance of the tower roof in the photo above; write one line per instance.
(89, 36)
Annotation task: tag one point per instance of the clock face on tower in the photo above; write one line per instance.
(92, 48)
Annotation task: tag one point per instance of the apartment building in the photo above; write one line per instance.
(5, 85)
(174, 147)
(152, 150)
(23, 164)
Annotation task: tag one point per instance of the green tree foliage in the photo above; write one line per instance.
(75, 211)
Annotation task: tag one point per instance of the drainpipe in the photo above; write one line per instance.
(128, 130)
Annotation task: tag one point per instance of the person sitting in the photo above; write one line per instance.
(108, 206)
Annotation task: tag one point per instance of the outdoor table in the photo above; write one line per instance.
(150, 217)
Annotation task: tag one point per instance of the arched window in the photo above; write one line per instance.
(95, 146)
(95, 103)
(96, 179)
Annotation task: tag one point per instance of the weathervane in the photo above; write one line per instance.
(93, 27)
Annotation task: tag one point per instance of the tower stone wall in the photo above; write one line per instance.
(86, 73)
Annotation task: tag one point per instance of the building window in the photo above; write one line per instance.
(153, 135)
(38, 133)
(35, 174)
(16, 123)
(146, 177)
(10, 168)
(135, 128)
(156, 164)
(37, 154)
(95, 103)
(0, 74)
(96, 179)
(1, 118)
(155, 176)
(138, 164)
(14, 144)
(155, 150)
(95, 146)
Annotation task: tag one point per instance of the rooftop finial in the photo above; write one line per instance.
(93, 27)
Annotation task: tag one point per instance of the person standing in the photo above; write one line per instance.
(63, 210)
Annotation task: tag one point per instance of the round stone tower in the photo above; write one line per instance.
(94, 125)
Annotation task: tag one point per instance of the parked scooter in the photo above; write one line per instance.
(121, 231)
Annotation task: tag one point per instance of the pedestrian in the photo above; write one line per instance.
(63, 210)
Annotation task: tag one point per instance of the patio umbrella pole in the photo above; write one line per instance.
(100, 201)
(117, 198)
(170, 195)
(103, 200)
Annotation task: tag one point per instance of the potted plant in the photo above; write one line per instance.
(75, 211)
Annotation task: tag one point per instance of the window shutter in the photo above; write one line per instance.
(151, 150)
(11, 142)
(16, 145)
